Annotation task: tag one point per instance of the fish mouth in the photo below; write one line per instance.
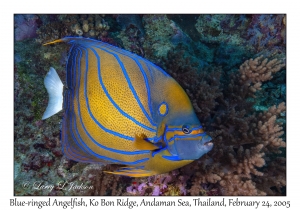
(191, 148)
(206, 141)
(208, 144)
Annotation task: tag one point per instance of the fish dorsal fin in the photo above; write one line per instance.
(53, 42)
(141, 144)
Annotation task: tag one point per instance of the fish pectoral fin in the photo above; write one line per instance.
(54, 88)
(132, 172)
(141, 144)
(161, 129)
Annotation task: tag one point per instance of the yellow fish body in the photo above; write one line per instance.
(119, 108)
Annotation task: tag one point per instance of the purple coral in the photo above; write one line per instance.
(164, 184)
(267, 30)
(25, 27)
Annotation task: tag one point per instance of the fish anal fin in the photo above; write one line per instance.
(131, 172)
(141, 144)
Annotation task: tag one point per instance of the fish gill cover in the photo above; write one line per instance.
(231, 67)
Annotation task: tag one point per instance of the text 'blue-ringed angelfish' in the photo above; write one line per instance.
(119, 108)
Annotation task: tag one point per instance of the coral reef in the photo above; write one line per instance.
(25, 26)
(245, 141)
(57, 26)
(231, 66)
(169, 184)
(159, 32)
(267, 31)
(222, 28)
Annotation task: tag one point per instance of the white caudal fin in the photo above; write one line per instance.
(54, 87)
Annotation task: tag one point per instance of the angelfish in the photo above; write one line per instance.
(120, 108)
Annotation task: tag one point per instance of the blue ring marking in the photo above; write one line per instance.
(158, 151)
(70, 150)
(167, 109)
(151, 72)
(191, 136)
(92, 116)
(135, 58)
(93, 140)
(154, 139)
(73, 149)
(67, 64)
(111, 159)
(81, 41)
(70, 116)
(89, 150)
(66, 99)
(130, 84)
(171, 158)
(87, 41)
(74, 138)
(78, 144)
(187, 136)
(113, 102)
(148, 94)
(73, 67)
(180, 129)
(159, 69)
(152, 80)
(73, 123)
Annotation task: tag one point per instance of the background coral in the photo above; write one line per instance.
(237, 90)
(25, 26)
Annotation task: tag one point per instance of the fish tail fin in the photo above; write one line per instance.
(54, 88)
(131, 172)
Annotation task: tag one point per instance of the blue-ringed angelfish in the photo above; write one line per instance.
(119, 108)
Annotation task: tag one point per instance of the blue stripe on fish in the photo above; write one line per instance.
(112, 101)
(182, 137)
(119, 50)
(82, 125)
(130, 84)
(179, 129)
(104, 157)
(71, 150)
(89, 110)
(82, 144)
(67, 64)
(154, 139)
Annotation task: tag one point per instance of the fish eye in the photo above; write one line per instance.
(186, 129)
